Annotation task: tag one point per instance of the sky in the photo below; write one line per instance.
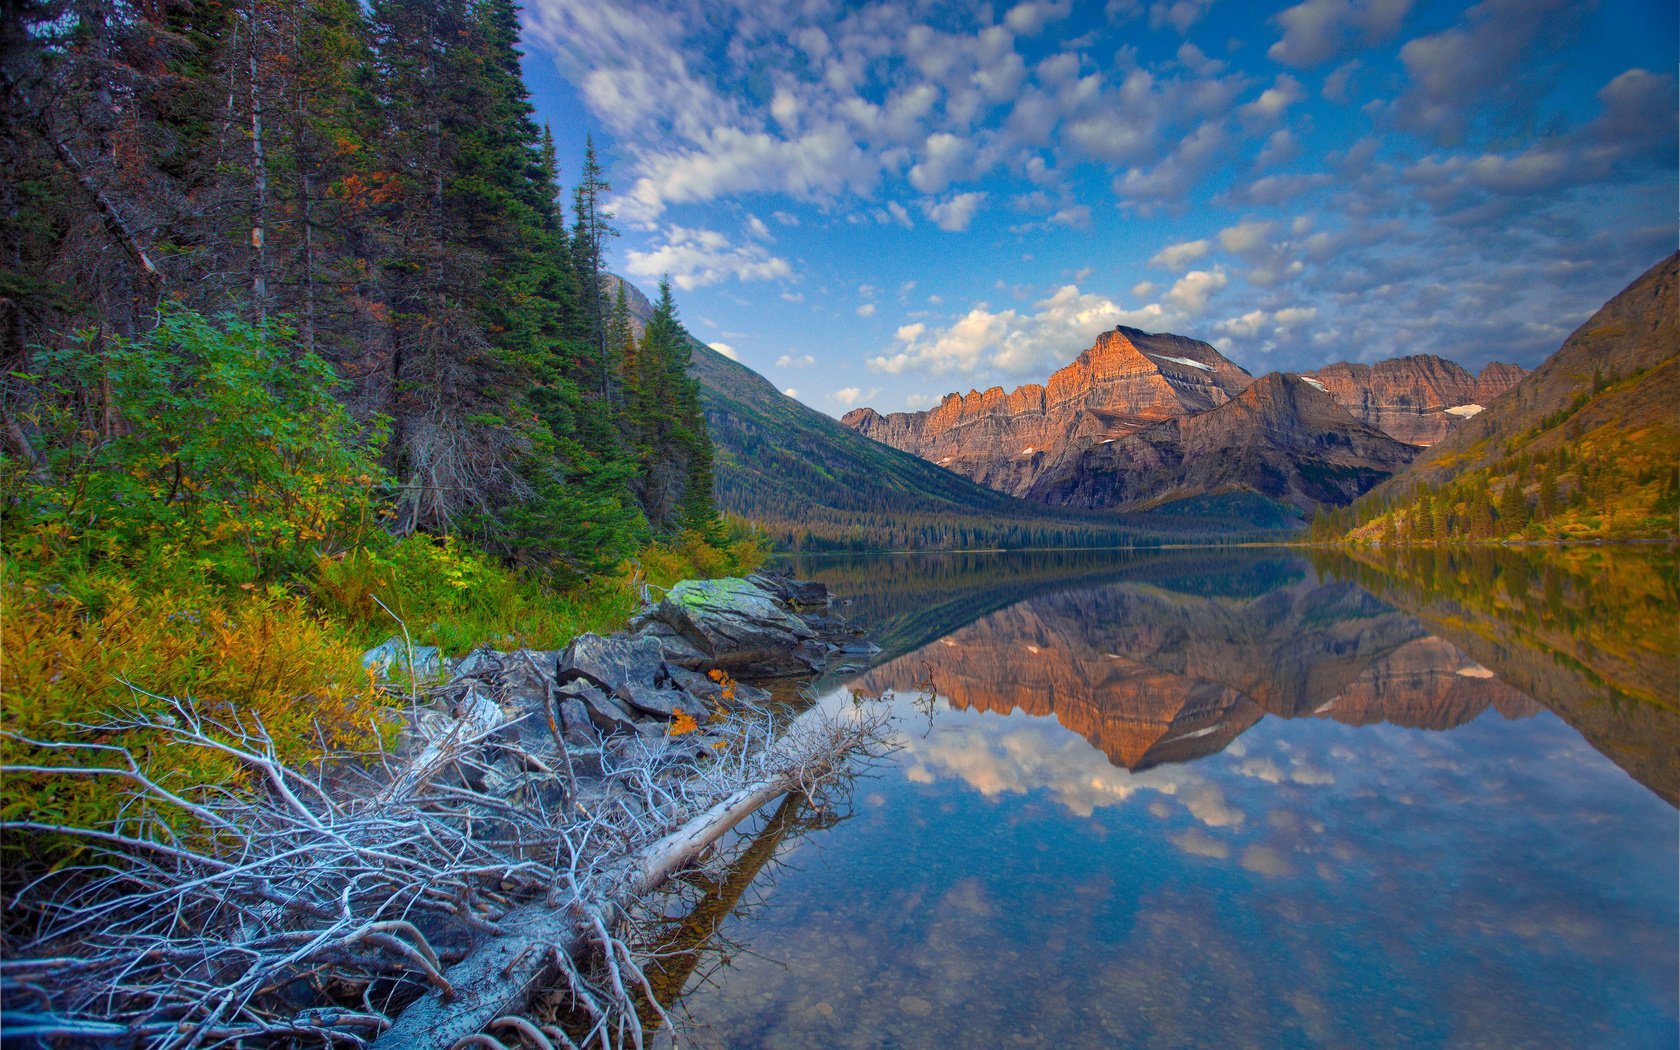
(877, 204)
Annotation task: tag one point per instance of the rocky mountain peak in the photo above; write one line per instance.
(1126, 380)
(1416, 399)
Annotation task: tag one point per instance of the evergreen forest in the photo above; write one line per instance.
(306, 345)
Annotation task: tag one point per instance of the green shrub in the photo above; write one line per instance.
(204, 447)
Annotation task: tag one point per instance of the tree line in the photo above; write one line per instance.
(362, 185)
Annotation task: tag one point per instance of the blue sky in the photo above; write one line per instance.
(880, 203)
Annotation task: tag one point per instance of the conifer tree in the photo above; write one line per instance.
(1548, 492)
(1481, 513)
(1513, 507)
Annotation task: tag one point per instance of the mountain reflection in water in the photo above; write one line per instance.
(1149, 675)
(1094, 835)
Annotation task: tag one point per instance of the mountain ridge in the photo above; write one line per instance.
(1282, 437)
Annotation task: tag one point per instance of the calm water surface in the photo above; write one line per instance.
(1179, 800)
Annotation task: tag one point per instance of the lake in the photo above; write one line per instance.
(1222, 799)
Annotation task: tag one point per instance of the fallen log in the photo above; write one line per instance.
(497, 978)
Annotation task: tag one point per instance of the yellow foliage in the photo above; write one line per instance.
(74, 666)
(682, 722)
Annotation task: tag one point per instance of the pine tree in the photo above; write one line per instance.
(1481, 514)
(676, 451)
(1548, 492)
(591, 230)
(1513, 507)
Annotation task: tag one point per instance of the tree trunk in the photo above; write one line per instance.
(259, 177)
(496, 979)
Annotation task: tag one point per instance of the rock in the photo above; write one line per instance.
(631, 667)
(1127, 380)
(1283, 438)
(797, 594)
(738, 627)
(676, 650)
(390, 658)
(699, 685)
(1411, 398)
(526, 676)
(576, 727)
(483, 662)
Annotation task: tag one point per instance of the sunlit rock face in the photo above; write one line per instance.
(1416, 399)
(1128, 380)
(1283, 437)
(1149, 676)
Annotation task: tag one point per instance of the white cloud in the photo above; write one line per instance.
(795, 361)
(1246, 236)
(944, 158)
(790, 392)
(785, 218)
(1180, 14)
(1454, 73)
(1192, 291)
(1317, 31)
(1246, 326)
(851, 395)
(726, 350)
(1013, 341)
(1143, 289)
(696, 257)
(1284, 92)
(1172, 180)
(1028, 19)
(1177, 256)
(756, 228)
(1281, 147)
(866, 310)
(954, 214)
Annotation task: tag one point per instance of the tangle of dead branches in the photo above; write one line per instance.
(417, 895)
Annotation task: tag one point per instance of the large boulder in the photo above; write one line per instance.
(630, 668)
(796, 594)
(737, 626)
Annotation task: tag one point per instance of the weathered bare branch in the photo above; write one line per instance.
(403, 903)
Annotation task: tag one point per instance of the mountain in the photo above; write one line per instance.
(1126, 381)
(1283, 438)
(1150, 673)
(1584, 446)
(815, 484)
(1416, 399)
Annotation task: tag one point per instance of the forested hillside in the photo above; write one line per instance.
(304, 347)
(1584, 447)
(815, 484)
(361, 185)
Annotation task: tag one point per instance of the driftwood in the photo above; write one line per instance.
(408, 898)
(497, 980)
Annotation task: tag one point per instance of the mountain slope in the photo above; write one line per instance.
(1126, 381)
(1283, 438)
(1584, 446)
(1417, 399)
(814, 482)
